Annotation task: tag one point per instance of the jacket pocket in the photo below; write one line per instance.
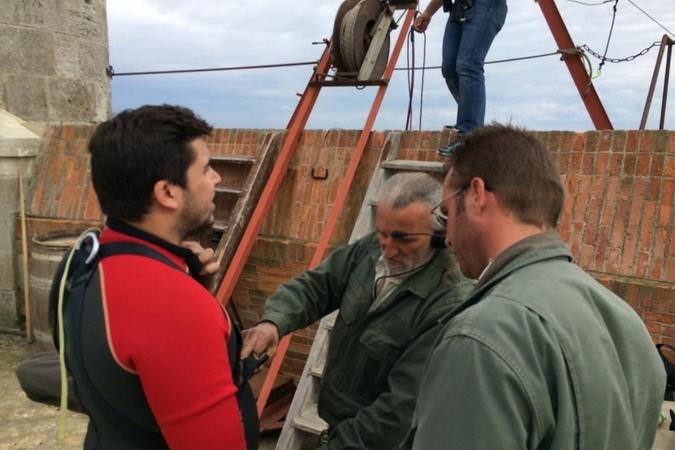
(377, 355)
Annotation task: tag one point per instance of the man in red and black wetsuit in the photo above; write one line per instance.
(155, 370)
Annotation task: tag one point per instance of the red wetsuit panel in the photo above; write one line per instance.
(173, 334)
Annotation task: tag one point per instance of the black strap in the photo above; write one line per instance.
(670, 372)
(133, 248)
(74, 312)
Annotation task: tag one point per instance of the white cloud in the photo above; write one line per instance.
(537, 93)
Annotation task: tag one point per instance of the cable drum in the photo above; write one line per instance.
(336, 56)
(355, 36)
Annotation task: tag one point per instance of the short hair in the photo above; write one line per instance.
(406, 188)
(136, 149)
(516, 167)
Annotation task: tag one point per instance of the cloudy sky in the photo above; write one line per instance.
(537, 93)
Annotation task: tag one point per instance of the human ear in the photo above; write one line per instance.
(166, 194)
(478, 193)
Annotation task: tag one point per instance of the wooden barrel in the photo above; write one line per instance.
(46, 254)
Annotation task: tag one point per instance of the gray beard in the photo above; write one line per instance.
(410, 264)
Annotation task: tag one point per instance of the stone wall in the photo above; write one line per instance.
(618, 216)
(53, 59)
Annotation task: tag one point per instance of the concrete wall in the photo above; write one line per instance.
(53, 58)
(18, 148)
(618, 216)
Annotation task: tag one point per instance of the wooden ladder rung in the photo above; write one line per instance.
(220, 226)
(317, 371)
(413, 166)
(310, 421)
(234, 159)
(228, 190)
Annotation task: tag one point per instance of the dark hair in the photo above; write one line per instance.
(515, 166)
(137, 148)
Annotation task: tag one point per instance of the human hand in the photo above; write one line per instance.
(422, 22)
(206, 256)
(262, 338)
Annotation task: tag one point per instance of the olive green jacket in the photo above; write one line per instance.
(540, 356)
(375, 359)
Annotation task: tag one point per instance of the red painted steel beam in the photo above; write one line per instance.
(575, 66)
(294, 130)
(339, 201)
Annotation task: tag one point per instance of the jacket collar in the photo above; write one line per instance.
(531, 250)
(194, 265)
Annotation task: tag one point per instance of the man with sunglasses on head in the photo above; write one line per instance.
(391, 287)
(540, 355)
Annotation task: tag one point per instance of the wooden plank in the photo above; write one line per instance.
(402, 165)
(228, 190)
(234, 159)
(306, 394)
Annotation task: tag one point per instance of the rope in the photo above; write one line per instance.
(111, 72)
(609, 38)
(410, 75)
(63, 413)
(424, 63)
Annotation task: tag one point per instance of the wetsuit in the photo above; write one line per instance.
(154, 370)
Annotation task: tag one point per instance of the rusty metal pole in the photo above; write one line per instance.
(652, 85)
(662, 122)
(575, 66)
(294, 130)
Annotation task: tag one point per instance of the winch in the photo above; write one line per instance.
(360, 40)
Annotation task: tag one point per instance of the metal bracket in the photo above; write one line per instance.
(319, 173)
(376, 43)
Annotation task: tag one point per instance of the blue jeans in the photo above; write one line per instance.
(465, 46)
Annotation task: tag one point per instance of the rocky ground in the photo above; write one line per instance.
(27, 425)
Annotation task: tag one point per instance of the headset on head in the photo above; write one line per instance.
(437, 240)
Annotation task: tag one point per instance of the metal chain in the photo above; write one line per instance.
(619, 60)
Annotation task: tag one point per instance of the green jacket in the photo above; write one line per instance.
(540, 356)
(375, 359)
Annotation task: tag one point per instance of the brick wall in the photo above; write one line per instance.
(618, 216)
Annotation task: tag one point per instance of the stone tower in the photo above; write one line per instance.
(53, 59)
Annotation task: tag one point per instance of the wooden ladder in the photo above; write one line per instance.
(242, 181)
(303, 419)
(293, 131)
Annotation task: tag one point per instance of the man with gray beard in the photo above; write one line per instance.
(391, 287)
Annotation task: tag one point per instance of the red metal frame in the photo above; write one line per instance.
(297, 124)
(294, 129)
(339, 200)
(575, 66)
